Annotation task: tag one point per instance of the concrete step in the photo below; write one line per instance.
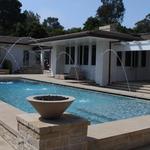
(132, 86)
(136, 84)
(131, 89)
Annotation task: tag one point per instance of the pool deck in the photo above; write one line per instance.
(80, 84)
(4, 145)
(8, 113)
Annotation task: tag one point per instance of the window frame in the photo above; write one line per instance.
(93, 55)
(26, 58)
(70, 55)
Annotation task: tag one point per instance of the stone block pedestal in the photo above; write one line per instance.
(67, 133)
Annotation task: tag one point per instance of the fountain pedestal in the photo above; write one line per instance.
(67, 133)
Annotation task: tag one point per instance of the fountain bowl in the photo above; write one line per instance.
(50, 106)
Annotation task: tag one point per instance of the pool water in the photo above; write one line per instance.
(95, 106)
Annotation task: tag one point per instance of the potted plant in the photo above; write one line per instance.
(50, 106)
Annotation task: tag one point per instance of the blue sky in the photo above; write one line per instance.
(73, 13)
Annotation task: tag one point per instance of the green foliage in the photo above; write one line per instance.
(124, 29)
(111, 11)
(10, 14)
(143, 26)
(7, 65)
(91, 23)
(73, 30)
(51, 24)
(31, 17)
(36, 30)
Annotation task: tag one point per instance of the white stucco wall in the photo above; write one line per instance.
(15, 55)
(133, 73)
(102, 63)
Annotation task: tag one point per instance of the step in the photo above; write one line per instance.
(132, 90)
(141, 84)
(131, 86)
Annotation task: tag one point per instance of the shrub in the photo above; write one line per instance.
(7, 65)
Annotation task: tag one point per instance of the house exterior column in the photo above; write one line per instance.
(101, 72)
(76, 55)
(53, 61)
(42, 59)
(90, 54)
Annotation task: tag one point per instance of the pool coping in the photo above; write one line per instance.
(99, 135)
(102, 134)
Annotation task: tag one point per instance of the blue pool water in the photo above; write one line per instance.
(96, 107)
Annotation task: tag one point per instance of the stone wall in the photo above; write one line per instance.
(67, 133)
(9, 135)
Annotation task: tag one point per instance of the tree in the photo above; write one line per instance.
(124, 29)
(73, 30)
(91, 23)
(31, 26)
(36, 30)
(143, 26)
(111, 11)
(31, 17)
(10, 15)
(52, 23)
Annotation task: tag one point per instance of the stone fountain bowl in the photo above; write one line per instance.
(50, 106)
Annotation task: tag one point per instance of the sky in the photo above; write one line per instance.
(73, 13)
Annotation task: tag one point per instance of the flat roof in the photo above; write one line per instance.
(94, 33)
(17, 40)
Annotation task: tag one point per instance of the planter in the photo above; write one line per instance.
(50, 106)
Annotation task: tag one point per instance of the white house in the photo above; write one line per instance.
(23, 55)
(104, 56)
(98, 55)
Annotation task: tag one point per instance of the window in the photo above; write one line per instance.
(38, 57)
(128, 59)
(70, 55)
(135, 59)
(143, 59)
(119, 58)
(86, 55)
(81, 55)
(93, 55)
(67, 56)
(26, 58)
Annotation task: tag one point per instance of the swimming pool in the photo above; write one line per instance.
(95, 106)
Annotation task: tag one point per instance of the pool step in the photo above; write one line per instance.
(134, 87)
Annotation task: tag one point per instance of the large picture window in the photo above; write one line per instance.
(93, 61)
(119, 58)
(135, 59)
(70, 55)
(83, 55)
(86, 55)
(26, 58)
(143, 59)
(128, 59)
(132, 59)
(67, 54)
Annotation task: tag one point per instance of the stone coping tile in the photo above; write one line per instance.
(4, 145)
(8, 116)
(116, 128)
(36, 123)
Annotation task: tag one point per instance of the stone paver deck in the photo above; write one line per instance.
(8, 115)
(4, 145)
